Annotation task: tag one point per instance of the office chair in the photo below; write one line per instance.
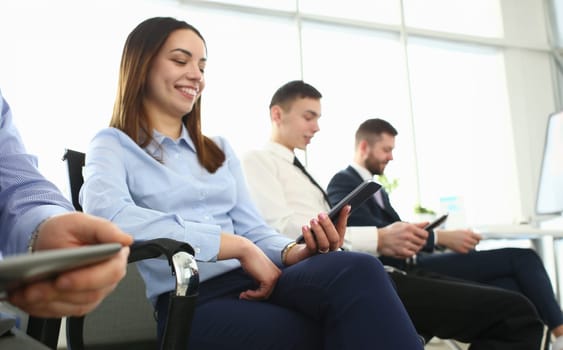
(125, 319)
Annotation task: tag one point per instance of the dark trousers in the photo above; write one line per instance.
(486, 317)
(515, 269)
(339, 300)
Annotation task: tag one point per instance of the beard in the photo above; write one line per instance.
(375, 166)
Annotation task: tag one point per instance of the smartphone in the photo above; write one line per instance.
(17, 270)
(355, 198)
(439, 221)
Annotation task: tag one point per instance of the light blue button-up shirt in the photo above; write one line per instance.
(175, 198)
(26, 198)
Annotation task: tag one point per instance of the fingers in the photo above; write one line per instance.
(408, 249)
(310, 238)
(320, 242)
(56, 309)
(44, 300)
(263, 292)
(421, 225)
(76, 229)
(343, 221)
(97, 230)
(92, 277)
(72, 293)
(414, 235)
(329, 237)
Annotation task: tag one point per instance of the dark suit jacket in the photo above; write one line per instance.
(369, 213)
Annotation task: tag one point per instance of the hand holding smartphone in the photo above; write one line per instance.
(355, 198)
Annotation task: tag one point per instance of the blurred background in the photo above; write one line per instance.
(469, 84)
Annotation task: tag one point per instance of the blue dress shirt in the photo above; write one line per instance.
(26, 197)
(174, 197)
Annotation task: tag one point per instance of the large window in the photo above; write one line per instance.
(557, 17)
(463, 81)
(376, 11)
(476, 17)
(462, 124)
(361, 75)
(58, 71)
(245, 67)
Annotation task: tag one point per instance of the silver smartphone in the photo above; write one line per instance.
(17, 270)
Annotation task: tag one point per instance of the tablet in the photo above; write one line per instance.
(17, 270)
(355, 198)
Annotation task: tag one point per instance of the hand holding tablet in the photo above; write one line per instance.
(18, 270)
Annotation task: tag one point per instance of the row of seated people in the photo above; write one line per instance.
(463, 294)
(154, 174)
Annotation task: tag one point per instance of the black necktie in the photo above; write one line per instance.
(298, 164)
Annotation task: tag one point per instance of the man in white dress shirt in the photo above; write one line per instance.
(287, 197)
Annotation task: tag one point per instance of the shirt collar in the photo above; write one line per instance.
(159, 139)
(364, 173)
(280, 151)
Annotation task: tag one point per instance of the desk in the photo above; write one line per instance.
(541, 238)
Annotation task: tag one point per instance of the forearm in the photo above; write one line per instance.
(26, 197)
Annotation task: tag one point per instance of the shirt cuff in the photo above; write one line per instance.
(27, 224)
(361, 239)
(206, 242)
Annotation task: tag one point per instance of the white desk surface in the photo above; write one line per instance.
(516, 231)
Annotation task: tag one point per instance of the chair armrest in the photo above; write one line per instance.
(180, 256)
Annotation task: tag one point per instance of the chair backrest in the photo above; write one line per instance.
(75, 163)
(125, 318)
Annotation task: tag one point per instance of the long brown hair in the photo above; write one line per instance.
(129, 116)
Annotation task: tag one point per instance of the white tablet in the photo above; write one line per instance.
(17, 270)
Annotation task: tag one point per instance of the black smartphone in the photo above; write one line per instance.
(439, 221)
(355, 198)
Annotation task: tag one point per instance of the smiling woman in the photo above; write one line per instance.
(155, 174)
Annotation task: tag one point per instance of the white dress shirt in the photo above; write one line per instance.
(288, 200)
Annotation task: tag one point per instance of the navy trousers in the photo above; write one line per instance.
(516, 269)
(485, 316)
(339, 300)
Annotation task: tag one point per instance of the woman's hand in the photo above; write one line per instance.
(254, 262)
(321, 237)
